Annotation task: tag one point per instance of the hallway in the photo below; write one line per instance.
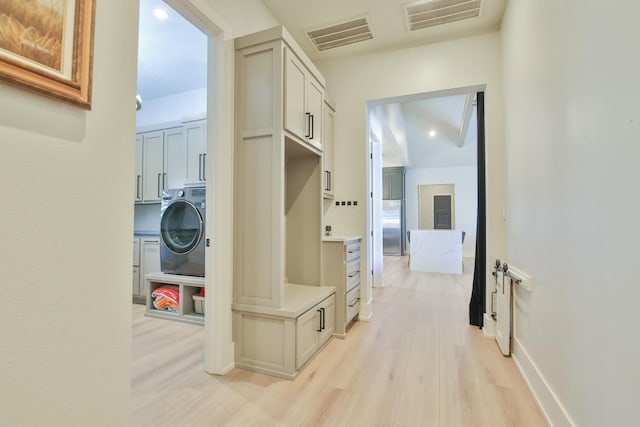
(416, 363)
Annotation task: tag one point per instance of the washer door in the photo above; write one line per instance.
(181, 227)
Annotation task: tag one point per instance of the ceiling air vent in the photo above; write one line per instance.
(354, 31)
(430, 13)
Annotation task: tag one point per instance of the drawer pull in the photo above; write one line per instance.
(355, 301)
(355, 273)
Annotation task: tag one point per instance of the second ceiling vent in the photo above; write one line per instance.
(345, 33)
(424, 14)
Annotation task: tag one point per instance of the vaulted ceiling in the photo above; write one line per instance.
(173, 59)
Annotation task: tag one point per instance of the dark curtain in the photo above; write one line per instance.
(477, 303)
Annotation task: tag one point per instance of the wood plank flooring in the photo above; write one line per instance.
(416, 363)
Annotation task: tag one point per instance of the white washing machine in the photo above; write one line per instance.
(182, 226)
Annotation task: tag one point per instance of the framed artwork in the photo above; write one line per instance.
(47, 46)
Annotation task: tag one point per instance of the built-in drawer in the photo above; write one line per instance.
(353, 303)
(353, 267)
(353, 251)
(353, 280)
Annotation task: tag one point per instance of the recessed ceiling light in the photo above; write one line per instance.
(432, 133)
(160, 13)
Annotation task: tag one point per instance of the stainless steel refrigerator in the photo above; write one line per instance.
(393, 227)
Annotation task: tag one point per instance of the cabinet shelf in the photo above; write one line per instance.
(187, 286)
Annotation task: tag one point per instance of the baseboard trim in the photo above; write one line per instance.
(489, 326)
(549, 404)
(365, 311)
(225, 370)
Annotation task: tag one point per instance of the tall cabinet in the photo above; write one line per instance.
(327, 150)
(281, 314)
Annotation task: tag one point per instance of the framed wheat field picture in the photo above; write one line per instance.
(47, 46)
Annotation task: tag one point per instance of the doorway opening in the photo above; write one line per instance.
(185, 103)
(435, 138)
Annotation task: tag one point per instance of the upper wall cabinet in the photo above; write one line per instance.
(169, 157)
(137, 195)
(196, 147)
(276, 76)
(160, 165)
(303, 101)
(393, 183)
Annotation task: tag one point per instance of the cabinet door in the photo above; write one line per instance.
(307, 329)
(138, 184)
(315, 107)
(175, 159)
(152, 166)
(393, 183)
(295, 81)
(136, 251)
(150, 262)
(327, 151)
(328, 308)
(135, 288)
(396, 186)
(196, 151)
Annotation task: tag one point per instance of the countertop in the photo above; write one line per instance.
(340, 238)
(146, 233)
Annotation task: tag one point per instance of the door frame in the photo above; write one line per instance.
(432, 195)
(482, 239)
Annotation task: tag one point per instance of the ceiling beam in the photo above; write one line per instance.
(469, 105)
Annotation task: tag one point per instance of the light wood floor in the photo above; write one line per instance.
(416, 363)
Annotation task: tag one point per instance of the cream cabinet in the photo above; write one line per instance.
(146, 259)
(278, 205)
(313, 329)
(163, 163)
(138, 184)
(303, 101)
(135, 287)
(169, 157)
(341, 269)
(327, 150)
(281, 341)
(196, 151)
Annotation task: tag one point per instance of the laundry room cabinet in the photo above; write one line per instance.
(169, 156)
(186, 286)
(277, 226)
(196, 151)
(163, 163)
(146, 259)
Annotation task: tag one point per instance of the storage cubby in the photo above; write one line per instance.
(187, 286)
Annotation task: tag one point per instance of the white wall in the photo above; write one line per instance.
(184, 106)
(465, 201)
(243, 16)
(572, 132)
(66, 227)
(355, 80)
(147, 218)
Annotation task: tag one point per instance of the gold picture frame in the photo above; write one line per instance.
(46, 46)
